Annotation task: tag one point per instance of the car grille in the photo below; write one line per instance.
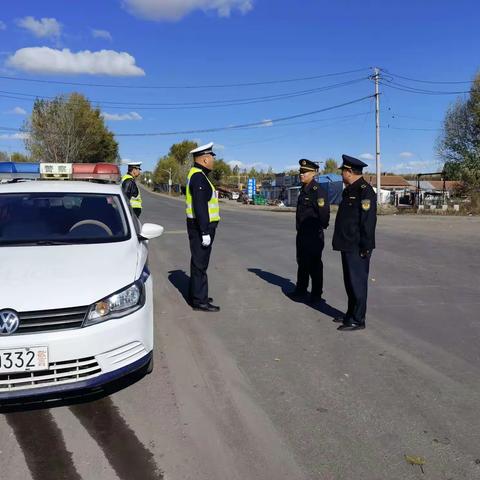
(58, 373)
(48, 320)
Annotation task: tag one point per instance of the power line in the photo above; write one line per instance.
(415, 129)
(224, 85)
(230, 127)
(190, 105)
(344, 119)
(426, 81)
(407, 88)
(245, 125)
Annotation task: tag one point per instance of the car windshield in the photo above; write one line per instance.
(61, 218)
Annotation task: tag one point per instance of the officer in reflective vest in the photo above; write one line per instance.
(130, 188)
(203, 215)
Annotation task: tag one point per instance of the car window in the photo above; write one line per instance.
(30, 218)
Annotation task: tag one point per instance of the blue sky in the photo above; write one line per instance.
(180, 43)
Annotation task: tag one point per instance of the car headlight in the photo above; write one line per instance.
(121, 303)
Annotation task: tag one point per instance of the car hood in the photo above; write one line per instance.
(63, 276)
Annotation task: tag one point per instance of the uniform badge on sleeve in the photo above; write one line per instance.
(366, 204)
(321, 202)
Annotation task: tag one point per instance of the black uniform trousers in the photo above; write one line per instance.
(137, 211)
(310, 243)
(198, 289)
(355, 277)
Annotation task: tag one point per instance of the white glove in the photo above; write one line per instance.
(206, 240)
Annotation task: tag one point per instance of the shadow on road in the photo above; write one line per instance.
(83, 396)
(180, 280)
(287, 286)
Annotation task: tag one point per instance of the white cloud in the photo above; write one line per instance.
(45, 27)
(49, 60)
(176, 9)
(3, 26)
(18, 111)
(248, 166)
(291, 167)
(266, 123)
(414, 166)
(119, 117)
(406, 154)
(14, 136)
(367, 156)
(102, 34)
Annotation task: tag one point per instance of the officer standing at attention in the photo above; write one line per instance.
(313, 215)
(354, 237)
(130, 188)
(203, 215)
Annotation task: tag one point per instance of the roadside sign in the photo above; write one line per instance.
(251, 187)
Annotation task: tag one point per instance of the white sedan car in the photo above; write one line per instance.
(76, 297)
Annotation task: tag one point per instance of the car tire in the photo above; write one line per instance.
(149, 366)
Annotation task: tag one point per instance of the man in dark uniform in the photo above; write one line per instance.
(203, 215)
(130, 188)
(354, 237)
(313, 215)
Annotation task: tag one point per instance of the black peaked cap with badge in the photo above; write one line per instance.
(352, 163)
(308, 165)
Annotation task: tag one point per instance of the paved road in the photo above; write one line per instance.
(267, 388)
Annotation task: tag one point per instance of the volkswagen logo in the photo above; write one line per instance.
(9, 322)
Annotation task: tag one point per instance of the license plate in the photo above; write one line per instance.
(16, 360)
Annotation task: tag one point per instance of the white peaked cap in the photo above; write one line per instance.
(207, 148)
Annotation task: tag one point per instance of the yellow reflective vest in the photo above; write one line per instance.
(135, 202)
(213, 206)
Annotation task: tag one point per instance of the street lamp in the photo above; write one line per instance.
(169, 171)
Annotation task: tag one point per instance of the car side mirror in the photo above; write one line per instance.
(150, 230)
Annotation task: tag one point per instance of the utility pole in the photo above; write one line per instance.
(376, 77)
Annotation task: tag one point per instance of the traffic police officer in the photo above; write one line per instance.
(203, 215)
(354, 237)
(313, 215)
(130, 188)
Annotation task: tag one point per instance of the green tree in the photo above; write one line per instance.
(181, 151)
(220, 173)
(459, 143)
(20, 157)
(331, 166)
(165, 165)
(68, 129)
(4, 157)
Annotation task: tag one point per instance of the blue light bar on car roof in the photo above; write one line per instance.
(19, 170)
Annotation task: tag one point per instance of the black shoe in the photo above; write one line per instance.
(351, 327)
(339, 320)
(316, 299)
(190, 301)
(297, 295)
(206, 307)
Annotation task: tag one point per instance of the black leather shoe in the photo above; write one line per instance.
(297, 295)
(351, 327)
(190, 301)
(206, 307)
(339, 320)
(316, 299)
